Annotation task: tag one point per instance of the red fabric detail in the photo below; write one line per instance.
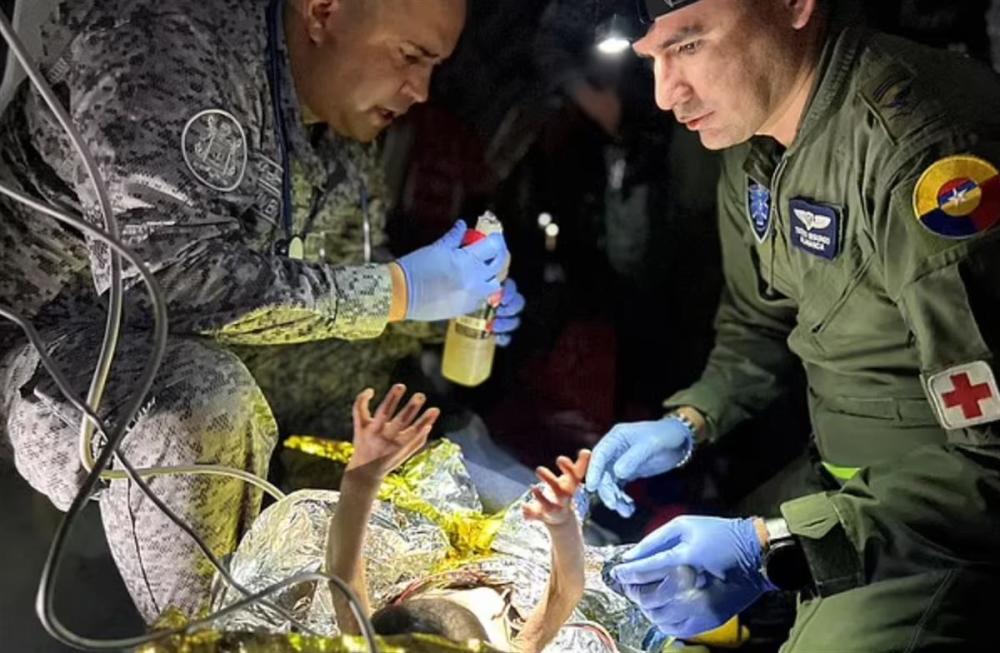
(967, 396)
(988, 212)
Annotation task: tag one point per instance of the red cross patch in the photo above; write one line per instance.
(965, 396)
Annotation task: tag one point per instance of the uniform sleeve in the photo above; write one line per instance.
(132, 90)
(936, 507)
(750, 362)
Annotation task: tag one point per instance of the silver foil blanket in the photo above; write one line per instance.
(408, 545)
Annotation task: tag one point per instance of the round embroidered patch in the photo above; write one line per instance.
(215, 149)
(958, 197)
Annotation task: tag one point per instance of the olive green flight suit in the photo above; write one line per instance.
(838, 274)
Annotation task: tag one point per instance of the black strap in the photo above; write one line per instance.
(650, 10)
(833, 562)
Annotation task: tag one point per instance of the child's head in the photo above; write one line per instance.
(430, 617)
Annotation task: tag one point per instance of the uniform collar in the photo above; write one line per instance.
(837, 62)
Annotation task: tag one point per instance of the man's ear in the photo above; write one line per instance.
(801, 12)
(319, 16)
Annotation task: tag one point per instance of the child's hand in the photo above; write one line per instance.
(384, 441)
(553, 505)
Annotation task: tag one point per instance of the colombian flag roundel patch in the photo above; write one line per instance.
(958, 197)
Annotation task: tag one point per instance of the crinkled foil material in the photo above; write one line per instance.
(290, 537)
(525, 544)
(213, 641)
(427, 529)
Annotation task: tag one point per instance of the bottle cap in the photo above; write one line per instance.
(472, 236)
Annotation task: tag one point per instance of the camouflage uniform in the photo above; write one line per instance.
(311, 386)
(175, 100)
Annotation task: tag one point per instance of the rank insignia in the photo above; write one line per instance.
(815, 228)
(964, 396)
(896, 96)
(759, 210)
(958, 197)
(215, 149)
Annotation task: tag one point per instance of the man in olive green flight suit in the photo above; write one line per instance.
(858, 208)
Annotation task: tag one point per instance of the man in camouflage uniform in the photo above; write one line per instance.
(197, 113)
(859, 204)
(310, 386)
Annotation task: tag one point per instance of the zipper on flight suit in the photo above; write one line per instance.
(776, 221)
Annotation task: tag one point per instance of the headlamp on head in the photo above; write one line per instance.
(615, 35)
(650, 10)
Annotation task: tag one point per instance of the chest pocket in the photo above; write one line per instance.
(843, 308)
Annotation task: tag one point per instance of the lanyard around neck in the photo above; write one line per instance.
(281, 128)
(274, 77)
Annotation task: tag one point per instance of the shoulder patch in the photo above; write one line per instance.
(958, 197)
(899, 101)
(215, 149)
(894, 97)
(964, 396)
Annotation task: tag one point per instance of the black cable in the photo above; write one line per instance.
(132, 473)
(45, 598)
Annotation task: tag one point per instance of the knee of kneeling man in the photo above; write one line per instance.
(208, 410)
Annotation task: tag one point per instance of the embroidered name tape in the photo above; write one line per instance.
(815, 229)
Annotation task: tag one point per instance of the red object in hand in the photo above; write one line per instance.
(472, 236)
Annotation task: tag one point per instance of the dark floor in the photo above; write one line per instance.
(92, 600)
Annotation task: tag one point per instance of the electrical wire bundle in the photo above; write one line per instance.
(91, 423)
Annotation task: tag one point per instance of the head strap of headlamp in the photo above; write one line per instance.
(650, 10)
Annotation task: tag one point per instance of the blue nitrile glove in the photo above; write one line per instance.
(724, 559)
(507, 320)
(636, 450)
(445, 280)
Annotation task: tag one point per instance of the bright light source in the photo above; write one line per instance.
(552, 230)
(613, 45)
(544, 220)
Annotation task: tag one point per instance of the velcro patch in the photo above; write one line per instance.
(759, 210)
(964, 396)
(815, 228)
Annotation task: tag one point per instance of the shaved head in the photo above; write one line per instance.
(359, 64)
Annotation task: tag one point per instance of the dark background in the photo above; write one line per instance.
(619, 315)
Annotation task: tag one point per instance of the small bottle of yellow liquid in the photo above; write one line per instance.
(470, 345)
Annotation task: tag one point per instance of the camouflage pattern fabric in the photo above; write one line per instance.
(204, 408)
(173, 98)
(312, 385)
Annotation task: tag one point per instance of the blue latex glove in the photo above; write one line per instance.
(445, 280)
(694, 574)
(507, 320)
(636, 450)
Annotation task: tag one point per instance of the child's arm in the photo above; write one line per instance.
(381, 444)
(565, 589)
